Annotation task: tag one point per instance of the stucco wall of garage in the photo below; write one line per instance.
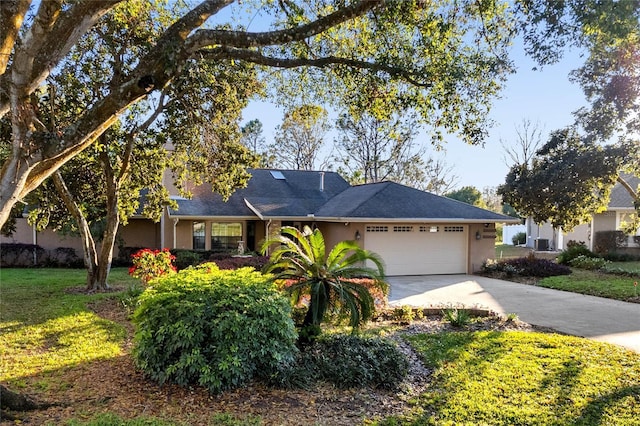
(483, 248)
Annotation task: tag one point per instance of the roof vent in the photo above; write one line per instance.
(277, 175)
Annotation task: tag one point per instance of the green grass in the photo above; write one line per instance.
(43, 328)
(506, 251)
(523, 378)
(631, 267)
(110, 419)
(595, 284)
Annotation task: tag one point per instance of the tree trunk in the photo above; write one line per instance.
(89, 252)
(10, 400)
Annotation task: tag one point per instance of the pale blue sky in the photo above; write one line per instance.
(545, 96)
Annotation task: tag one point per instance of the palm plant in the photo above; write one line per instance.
(330, 281)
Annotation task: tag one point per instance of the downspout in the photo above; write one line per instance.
(162, 229)
(175, 225)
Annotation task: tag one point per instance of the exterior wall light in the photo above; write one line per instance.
(478, 235)
(357, 236)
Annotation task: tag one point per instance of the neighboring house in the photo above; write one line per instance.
(415, 232)
(620, 207)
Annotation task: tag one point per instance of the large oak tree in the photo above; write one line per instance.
(448, 59)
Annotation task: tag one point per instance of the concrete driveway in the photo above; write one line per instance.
(586, 316)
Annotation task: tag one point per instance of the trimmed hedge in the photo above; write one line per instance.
(218, 329)
(20, 255)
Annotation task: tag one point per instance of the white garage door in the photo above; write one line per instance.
(419, 249)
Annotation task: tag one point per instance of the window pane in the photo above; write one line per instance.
(198, 235)
(225, 236)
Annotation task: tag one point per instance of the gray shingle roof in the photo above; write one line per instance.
(298, 195)
(388, 200)
(620, 197)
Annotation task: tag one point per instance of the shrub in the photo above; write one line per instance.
(590, 263)
(230, 262)
(608, 241)
(186, 258)
(457, 317)
(519, 238)
(215, 328)
(529, 266)
(18, 254)
(150, 264)
(574, 249)
(347, 361)
(65, 257)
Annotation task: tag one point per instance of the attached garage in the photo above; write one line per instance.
(419, 249)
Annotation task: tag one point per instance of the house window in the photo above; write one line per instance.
(225, 236)
(198, 235)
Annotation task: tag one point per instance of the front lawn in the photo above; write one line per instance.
(522, 378)
(73, 350)
(595, 283)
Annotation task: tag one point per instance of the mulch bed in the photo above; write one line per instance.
(114, 385)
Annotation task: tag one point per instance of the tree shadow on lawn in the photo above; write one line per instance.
(486, 377)
(85, 389)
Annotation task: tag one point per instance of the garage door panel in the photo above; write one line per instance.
(419, 249)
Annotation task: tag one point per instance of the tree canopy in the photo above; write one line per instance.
(568, 180)
(448, 59)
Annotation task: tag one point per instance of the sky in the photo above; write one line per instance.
(544, 96)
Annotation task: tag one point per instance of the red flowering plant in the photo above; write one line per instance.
(149, 264)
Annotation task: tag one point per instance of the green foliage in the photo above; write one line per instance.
(605, 242)
(570, 178)
(528, 266)
(186, 258)
(468, 194)
(589, 262)
(404, 314)
(347, 361)
(457, 317)
(332, 282)
(519, 238)
(572, 251)
(215, 328)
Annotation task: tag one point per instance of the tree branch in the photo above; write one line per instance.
(49, 40)
(241, 39)
(256, 57)
(12, 14)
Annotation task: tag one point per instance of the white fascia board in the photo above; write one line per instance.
(253, 209)
(413, 220)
